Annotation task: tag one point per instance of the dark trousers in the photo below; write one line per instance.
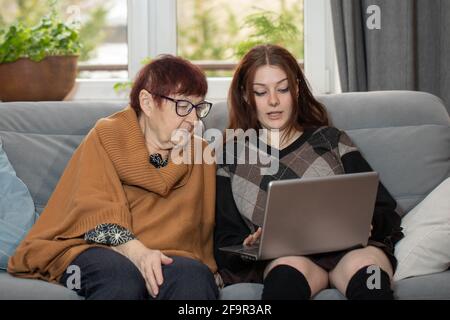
(106, 274)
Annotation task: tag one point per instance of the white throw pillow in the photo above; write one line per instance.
(425, 249)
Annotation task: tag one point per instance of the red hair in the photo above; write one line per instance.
(167, 75)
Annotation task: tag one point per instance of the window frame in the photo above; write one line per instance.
(152, 30)
(320, 52)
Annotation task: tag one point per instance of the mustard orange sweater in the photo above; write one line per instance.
(109, 180)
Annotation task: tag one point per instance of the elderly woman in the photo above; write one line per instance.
(134, 223)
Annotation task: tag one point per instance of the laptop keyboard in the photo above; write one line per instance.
(250, 249)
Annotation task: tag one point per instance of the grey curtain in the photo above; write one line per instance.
(410, 51)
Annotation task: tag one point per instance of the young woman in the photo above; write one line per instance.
(269, 91)
(135, 224)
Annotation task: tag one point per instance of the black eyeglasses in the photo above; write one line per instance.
(184, 107)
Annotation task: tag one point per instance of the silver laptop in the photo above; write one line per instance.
(314, 215)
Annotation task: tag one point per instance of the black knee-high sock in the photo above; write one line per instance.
(285, 283)
(359, 289)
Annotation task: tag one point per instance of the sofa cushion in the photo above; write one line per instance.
(384, 109)
(425, 249)
(411, 160)
(404, 135)
(40, 138)
(241, 291)
(430, 287)
(57, 149)
(434, 286)
(253, 291)
(17, 212)
(12, 288)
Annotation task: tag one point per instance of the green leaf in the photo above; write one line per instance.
(122, 86)
(49, 36)
(268, 27)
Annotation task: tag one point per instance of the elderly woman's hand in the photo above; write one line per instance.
(148, 262)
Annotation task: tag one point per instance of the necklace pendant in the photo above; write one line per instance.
(157, 161)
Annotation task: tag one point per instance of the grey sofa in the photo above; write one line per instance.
(404, 136)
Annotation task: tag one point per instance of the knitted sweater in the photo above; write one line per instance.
(110, 180)
(241, 192)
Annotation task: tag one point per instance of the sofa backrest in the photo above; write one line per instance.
(405, 136)
(40, 137)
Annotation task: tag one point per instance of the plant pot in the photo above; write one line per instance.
(47, 80)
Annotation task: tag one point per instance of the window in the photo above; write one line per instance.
(157, 27)
(105, 53)
(122, 33)
(102, 28)
(320, 54)
(214, 34)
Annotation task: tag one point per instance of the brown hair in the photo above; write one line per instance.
(309, 112)
(167, 75)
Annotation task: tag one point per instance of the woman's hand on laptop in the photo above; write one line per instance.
(253, 238)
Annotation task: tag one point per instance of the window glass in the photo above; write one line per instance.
(216, 33)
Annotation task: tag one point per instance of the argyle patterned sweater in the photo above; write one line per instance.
(241, 191)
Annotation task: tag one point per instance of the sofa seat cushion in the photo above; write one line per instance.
(430, 287)
(13, 288)
(253, 291)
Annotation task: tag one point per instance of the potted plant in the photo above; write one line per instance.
(40, 62)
